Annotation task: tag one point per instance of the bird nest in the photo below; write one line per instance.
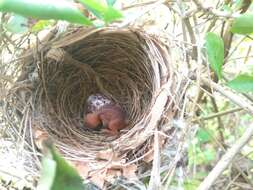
(130, 67)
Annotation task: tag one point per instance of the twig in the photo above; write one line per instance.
(228, 35)
(213, 11)
(247, 55)
(155, 181)
(143, 4)
(226, 159)
(173, 164)
(233, 180)
(138, 5)
(235, 48)
(140, 14)
(10, 174)
(198, 79)
(230, 95)
(186, 23)
(6, 78)
(242, 185)
(218, 114)
(250, 98)
(220, 123)
(235, 165)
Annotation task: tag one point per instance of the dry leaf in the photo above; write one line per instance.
(82, 168)
(129, 171)
(110, 156)
(107, 167)
(112, 173)
(39, 137)
(99, 178)
(105, 155)
(149, 156)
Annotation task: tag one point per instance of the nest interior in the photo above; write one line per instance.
(129, 66)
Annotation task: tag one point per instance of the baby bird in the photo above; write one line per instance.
(110, 116)
(96, 101)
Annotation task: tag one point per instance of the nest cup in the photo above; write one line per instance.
(127, 65)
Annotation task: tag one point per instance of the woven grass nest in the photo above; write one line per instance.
(129, 66)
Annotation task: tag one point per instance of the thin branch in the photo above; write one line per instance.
(247, 55)
(155, 179)
(230, 95)
(140, 13)
(250, 98)
(186, 23)
(226, 159)
(214, 11)
(220, 123)
(219, 114)
(138, 5)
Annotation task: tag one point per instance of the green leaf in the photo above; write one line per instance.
(209, 155)
(66, 177)
(215, 52)
(203, 136)
(226, 8)
(47, 173)
(238, 4)
(42, 24)
(45, 9)
(243, 24)
(242, 83)
(57, 174)
(107, 13)
(112, 15)
(17, 24)
(110, 2)
(191, 184)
